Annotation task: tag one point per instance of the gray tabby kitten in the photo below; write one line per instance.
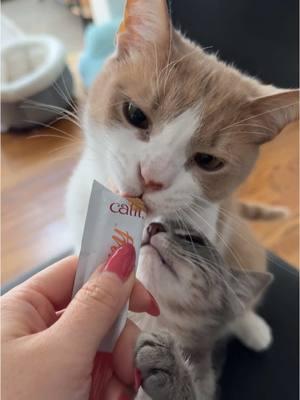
(199, 307)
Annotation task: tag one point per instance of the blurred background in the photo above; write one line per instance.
(58, 18)
(51, 50)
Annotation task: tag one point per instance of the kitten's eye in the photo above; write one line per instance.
(193, 239)
(208, 162)
(135, 116)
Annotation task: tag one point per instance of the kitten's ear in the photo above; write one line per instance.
(247, 287)
(272, 113)
(144, 22)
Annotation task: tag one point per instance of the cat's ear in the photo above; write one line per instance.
(270, 114)
(144, 22)
(246, 287)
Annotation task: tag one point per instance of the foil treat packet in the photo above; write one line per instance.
(111, 221)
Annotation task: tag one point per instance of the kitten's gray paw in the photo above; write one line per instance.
(162, 367)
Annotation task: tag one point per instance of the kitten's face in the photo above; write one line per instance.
(177, 255)
(163, 119)
(194, 275)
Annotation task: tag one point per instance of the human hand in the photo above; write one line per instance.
(51, 354)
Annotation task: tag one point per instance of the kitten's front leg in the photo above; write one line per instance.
(204, 377)
(253, 331)
(164, 372)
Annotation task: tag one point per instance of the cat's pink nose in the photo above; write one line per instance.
(149, 184)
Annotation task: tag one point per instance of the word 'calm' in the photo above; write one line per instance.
(126, 209)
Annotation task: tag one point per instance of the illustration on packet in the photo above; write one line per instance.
(111, 221)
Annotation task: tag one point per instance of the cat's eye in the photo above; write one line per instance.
(208, 162)
(135, 116)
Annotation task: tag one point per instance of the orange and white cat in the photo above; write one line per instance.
(177, 127)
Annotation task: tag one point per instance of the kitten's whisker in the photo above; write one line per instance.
(209, 268)
(211, 253)
(236, 219)
(186, 228)
(218, 235)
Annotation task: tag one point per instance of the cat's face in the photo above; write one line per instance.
(169, 123)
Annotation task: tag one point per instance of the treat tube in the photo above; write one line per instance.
(111, 222)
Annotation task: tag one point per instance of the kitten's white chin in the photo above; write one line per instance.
(149, 251)
(152, 252)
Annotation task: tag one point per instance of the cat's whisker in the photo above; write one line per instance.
(260, 114)
(183, 212)
(105, 141)
(185, 227)
(62, 148)
(65, 134)
(60, 114)
(65, 95)
(196, 261)
(71, 98)
(156, 68)
(238, 125)
(218, 234)
(49, 136)
(53, 107)
(118, 103)
(237, 220)
(170, 67)
(67, 118)
(212, 254)
(170, 44)
(63, 114)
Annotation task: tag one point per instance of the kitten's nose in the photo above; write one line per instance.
(154, 228)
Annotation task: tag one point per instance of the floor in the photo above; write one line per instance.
(275, 180)
(35, 170)
(36, 167)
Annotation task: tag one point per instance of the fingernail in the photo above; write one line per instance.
(153, 308)
(137, 379)
(122, 262)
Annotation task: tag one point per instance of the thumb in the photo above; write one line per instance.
(97, 304)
